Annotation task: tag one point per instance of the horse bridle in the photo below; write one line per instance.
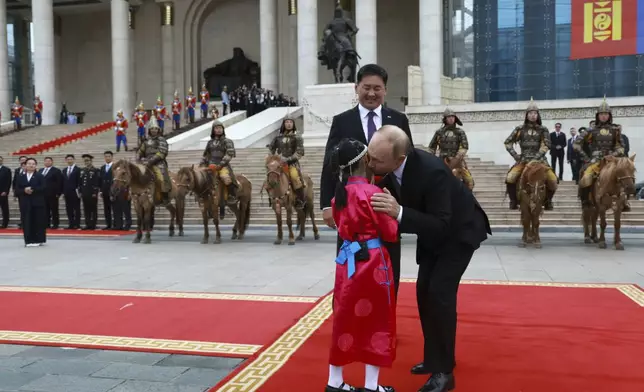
(270, 184)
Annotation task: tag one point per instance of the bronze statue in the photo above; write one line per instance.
(234, 72)
(337, 51)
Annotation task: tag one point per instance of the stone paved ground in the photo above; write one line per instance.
(253, 267)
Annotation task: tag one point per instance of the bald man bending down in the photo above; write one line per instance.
(450, 225)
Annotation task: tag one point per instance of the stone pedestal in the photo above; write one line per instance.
(321, 103)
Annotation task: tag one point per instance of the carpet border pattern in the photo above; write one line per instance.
(134, 344)
(162, 294)
(268, 362)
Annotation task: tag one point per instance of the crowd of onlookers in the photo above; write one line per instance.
(253, 100)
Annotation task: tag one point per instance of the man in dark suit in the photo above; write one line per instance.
(90, 185)
(360, 123)
(71, 183)
(5, 187)
(558, 144)
(106, 186)
(53, 189)
(450, 225)
(572, 157)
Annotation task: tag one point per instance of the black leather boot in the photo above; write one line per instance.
(548, 203)
(300, 202)
(232, 194)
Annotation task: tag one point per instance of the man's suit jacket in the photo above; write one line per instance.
(349, 125)
(14, 182)
(557, 140)
(106, 180)
(5, 180)
(571, 154)
(437, 207)
(71, 182)
(37, 184)
(53, 181)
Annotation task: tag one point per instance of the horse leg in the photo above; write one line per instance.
(205, 208)
(525, 222)
(147, 221)
(602, 226)
(235, 210)
(535, 230)
(278, 217)
(173, 215)
(585, 219)
(241, 223)
(316, 233)
(139, 226)
(618, 225)
(215, 219)
(181, 210)
(289, 223)
(301, 223)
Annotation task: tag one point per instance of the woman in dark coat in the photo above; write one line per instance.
(30, 187)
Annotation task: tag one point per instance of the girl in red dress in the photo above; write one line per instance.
(364, 303)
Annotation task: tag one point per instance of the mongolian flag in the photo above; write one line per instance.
(606, 28)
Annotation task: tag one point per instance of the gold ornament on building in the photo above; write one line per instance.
(292, 7)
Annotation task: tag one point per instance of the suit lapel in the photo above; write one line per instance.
(386, 116)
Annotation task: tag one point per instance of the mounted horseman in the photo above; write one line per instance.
(602, 140)
(534, 140)
(219, 151)
(153, 153)
(451, 143)
(337, 51)
(289, 146)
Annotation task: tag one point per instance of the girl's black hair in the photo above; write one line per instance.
(343, 153)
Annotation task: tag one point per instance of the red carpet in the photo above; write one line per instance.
(71, 233)
(245, 322)
(510, 339)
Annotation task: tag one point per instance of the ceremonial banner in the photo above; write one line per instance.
(606, 28)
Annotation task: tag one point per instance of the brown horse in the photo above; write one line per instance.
(241, 208)
(143, 187)
(532, 195)
(201, 182)
(616, 180)
(278, 188)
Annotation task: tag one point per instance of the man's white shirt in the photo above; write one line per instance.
(364, 118)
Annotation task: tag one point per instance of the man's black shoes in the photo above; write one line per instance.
(340, 388)
(420, 369)
(439, 382)
(380, 388)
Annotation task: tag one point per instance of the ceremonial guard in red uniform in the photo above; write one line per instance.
(16, 113)
(37, 110)
(140, 118)
(120, 127)
(191, 103)
(364, 307)
(205, 100)
(176, 112)
(160, 113)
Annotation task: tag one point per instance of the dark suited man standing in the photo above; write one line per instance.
(106, 186)
(71, 183)
(450, 225)
(5, 188)
(90, 185)
(557, 150)
(572, 157)
(360, 123)
(53, 189)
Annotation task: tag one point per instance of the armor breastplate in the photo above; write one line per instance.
(286, 145)
(119, 125)
(449, 142)
(151, 147)
(338, 26)
(602, 140)
(530, 141)
(217, 150)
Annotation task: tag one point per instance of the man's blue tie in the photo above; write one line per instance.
(371, 125)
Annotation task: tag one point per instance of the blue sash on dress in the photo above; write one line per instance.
(348, 252)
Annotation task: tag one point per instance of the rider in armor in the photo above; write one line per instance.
(290, 146)
(153, 153)
(218, 153)
(603, 139)
(534, 140)
(451, 142)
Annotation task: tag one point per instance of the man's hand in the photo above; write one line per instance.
(385, 202)
(327, 215)
(28, 190)
(3, 194)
